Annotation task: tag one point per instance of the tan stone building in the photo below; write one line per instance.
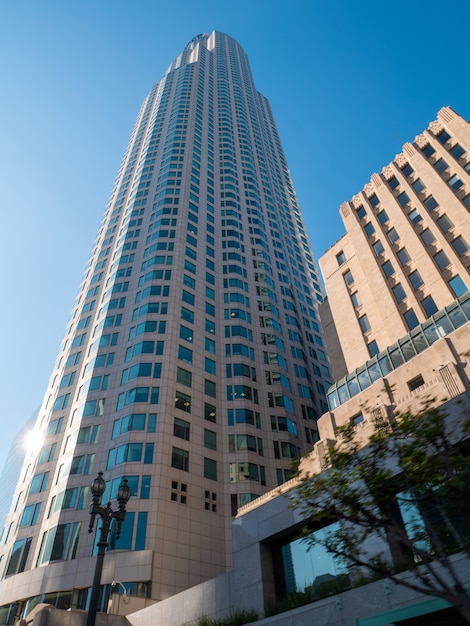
(405, 254)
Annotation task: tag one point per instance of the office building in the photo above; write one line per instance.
(405, 254)
(193, 363)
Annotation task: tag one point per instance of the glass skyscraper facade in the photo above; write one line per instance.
(193, 363)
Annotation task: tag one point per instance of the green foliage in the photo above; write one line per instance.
(239, 618)
(406, 492)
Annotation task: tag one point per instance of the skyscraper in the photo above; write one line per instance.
(193, 362)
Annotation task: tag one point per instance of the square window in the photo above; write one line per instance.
(428, 150)
(399, 292)
(441, 259)
(460, 245)
(393, 182)
(457, 151)
(444, 223)
(374, 200)
(415, 279)
(378, 248)
(369, 229)
(457, 285)
(382, 217)
(431, 203)
(393, 236)
(403, 198)
(403, 256)
(388, 269)
(427, 237)
(429, 306)
(443, 137)
(361, 212)
(184, 377)
(407, 170)
(418, 185)
(441, 166)
(455, 182)
(415, 216)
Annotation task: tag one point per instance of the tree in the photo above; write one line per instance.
(402, 502)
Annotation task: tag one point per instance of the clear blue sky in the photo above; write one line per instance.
(348, 80)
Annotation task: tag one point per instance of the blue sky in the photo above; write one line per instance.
(349, 81)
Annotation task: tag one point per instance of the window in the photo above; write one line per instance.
(180, 459)
(403, 256)
(399, 292)
(373, 348)
(382, 217)
(457, 285)
(431, 203)
(460, 245)
(369, 229)
(210, 469)
(427, 237)
(357, 419)
(185, 354)
(415, 279)
(466, 201)
(210, 413)
(407, 170)
(184, 377)
(411, 319)
(186, 333)
(364, 323)
(378, 248)
(209, 366)
(181, 428)
(341, 258)
(393, 182)
(418, 185)
(348, 278)
(182, 401)
(441, 166)
(428, 150)
(356, 299)
(457, 151)
(443, 137)
(441, 259)
(403, 198)
(392, 235)
(361, 212)
(444, 223)
(374, 200)
(429, 306)
(415, 216)
(18, 557)
(455, 182)
(210, 439)
(210, 388)
(416, 382)
(388, 269)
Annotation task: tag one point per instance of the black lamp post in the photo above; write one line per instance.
(106, 513)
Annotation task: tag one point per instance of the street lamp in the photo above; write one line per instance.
(106, 513)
